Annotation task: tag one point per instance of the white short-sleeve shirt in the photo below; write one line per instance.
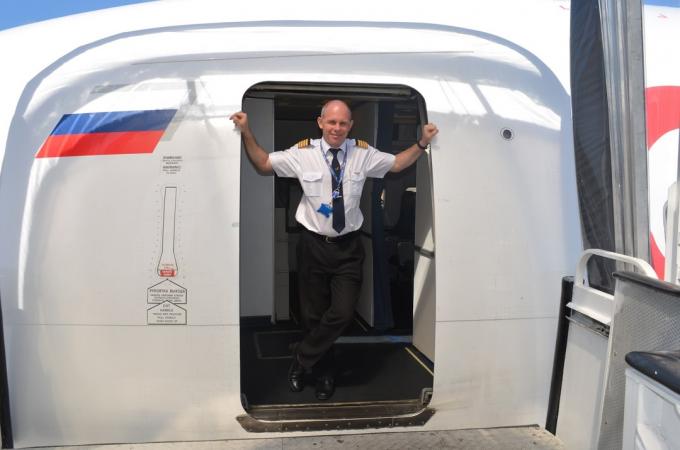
(307, 165)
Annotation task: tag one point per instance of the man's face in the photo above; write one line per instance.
(335, 123)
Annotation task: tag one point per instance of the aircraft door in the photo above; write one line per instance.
(258, 260)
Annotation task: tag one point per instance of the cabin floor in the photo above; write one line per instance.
(371, 368)
(511, 438)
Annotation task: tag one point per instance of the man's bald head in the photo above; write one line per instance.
(336, 104)
(335, 122)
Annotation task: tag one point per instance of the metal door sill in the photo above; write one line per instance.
(335, 416)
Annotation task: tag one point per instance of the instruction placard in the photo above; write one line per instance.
(171, 164)
(166, 314)
(166, 291)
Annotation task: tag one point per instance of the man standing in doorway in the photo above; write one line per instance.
(332, 171)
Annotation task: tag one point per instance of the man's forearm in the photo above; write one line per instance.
(256, 154)
(406, 157)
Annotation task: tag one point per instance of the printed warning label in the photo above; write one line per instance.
(166, 314)
(166, 291)
(171, 165)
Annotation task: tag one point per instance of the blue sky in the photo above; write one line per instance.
(20, 12)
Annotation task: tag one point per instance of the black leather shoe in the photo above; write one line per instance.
(296, 376)
(325, 387)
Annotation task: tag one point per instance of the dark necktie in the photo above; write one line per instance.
(338, 203)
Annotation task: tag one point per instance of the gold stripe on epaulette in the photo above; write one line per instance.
(304, 143)
(361, 144)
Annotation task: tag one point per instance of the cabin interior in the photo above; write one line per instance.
(386, 356)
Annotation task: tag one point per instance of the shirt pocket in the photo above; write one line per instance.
(356, 184)
(311, 183)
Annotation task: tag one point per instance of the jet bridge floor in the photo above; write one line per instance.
(514, 438)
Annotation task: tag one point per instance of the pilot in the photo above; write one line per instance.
(330, 254)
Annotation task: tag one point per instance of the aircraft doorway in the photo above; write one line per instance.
(384, 358)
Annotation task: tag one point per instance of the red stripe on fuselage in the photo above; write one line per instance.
(91, 144)
(658, 260)
(663, 111)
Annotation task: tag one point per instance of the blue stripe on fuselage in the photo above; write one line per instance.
(103, 122)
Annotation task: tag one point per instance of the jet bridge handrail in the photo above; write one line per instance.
(587, 354)
(582, 267)
(594, 303)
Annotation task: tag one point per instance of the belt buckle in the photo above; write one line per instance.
(329, 240)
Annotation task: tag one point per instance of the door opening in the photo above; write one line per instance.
(377, 360)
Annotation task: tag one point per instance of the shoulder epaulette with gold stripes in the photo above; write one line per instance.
(304, 143)
(361, 144)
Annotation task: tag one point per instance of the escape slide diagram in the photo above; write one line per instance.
(167, 265)
(167, 295)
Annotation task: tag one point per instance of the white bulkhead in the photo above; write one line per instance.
(107, 341)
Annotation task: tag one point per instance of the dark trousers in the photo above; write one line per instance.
(329, 284)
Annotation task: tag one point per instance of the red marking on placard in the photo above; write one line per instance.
(168, 272)
(91, 144)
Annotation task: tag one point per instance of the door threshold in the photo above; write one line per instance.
(335, 416)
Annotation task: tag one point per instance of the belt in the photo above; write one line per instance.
(334, 239)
